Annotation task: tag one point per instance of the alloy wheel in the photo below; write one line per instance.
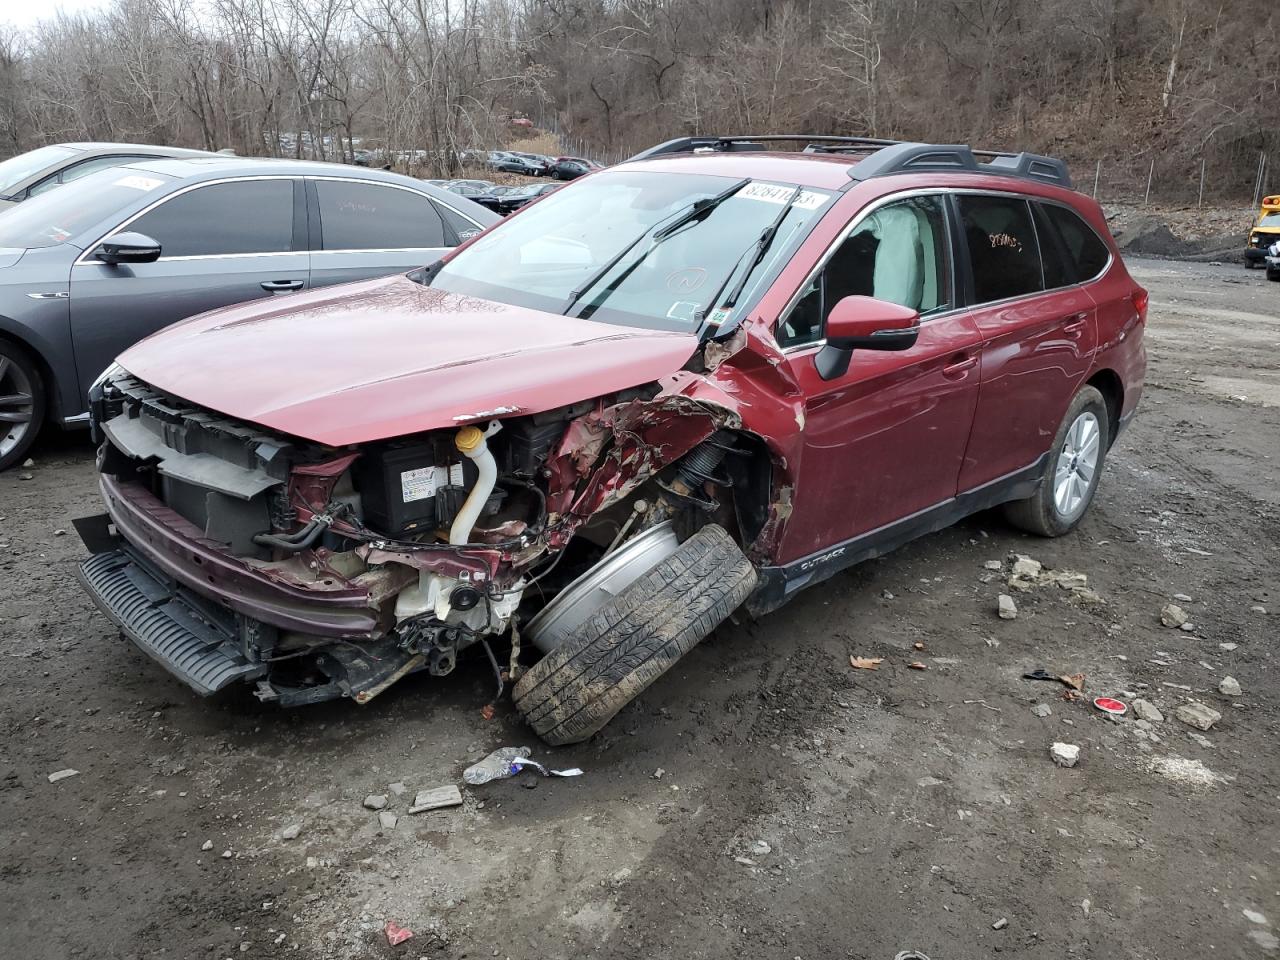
(1077, 465)
(17, 404)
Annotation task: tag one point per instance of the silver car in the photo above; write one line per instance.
(89, 269)
(38, 171)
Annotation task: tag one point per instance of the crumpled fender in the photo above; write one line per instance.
(615, 449)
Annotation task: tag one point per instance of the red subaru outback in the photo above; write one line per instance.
(707, 377)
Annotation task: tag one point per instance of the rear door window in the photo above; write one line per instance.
(1085, 251)
(371, 216)
(1003, 251)
(222, 219)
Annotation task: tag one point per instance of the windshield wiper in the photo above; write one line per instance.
(757, 250)
(660, 231)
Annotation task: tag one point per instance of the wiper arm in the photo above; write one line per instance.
(660, 231)
(757, 250)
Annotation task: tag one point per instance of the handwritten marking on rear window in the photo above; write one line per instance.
(1005, 240)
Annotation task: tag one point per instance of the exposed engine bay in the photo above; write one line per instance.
(317, 572)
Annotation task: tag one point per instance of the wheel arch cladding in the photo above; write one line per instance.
(1107, 382)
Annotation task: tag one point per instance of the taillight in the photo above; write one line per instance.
(1140, 300)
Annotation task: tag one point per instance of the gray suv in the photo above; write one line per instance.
(91, 268)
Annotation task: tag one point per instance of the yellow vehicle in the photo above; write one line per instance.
(1264, 233)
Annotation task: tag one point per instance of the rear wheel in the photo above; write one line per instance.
(631, 639)
(22, 403)
(1071, 476)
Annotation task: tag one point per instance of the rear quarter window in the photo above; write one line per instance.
(1085, 252)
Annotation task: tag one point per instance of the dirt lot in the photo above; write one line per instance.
(901, 809)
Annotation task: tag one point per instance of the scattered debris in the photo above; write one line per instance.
(865, 663)
(1190, 772)
(658, 774)
(63, 775)
(1228, 647)
(496, 766)
(1265, 939)
(1041, 710)
(929, 782)
(1258, 608)
(26, 476)
(1074, 681)
(1229, 687)
(1187, 627)
(397, 788)
(227, 854)
(886, 595)
(1173, 615)
(291, 831)
(1200, 738)
(59, 532)
(745, 861)
(1182, 598)
(396, 934)
(1111, 706)
(207, 845)
(387, 820)
(375, 801)
(28, 463)
(984, 705)
(1024, 568)
(1065, 754)
(1005, 607)
(436, 798)
(1085, 906)
(1253, 916)
(1146, 710)
(1000, 924)
(917, 665)
(1198, 715)
(761, 848)
(910, 955)
(519, 763)
(917, 645)
(994, 565)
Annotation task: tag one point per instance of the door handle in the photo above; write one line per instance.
(1074, 325)
(274, 285)
(956, 368)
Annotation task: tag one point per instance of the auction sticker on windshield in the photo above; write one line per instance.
(781, 193)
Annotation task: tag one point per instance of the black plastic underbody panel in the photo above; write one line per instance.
(167, 623)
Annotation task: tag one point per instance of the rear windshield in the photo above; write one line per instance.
(16, 169)
(55, 217)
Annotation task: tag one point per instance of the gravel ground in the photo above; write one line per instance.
(764, 799)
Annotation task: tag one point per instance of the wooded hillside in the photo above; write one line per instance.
(1121, 81)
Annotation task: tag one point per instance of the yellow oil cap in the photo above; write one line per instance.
(468, 439)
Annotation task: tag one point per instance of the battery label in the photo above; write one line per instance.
(422, 484)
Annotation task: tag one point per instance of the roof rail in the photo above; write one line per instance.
(885, 157)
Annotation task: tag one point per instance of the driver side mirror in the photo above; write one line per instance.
(128, 248)
(864, 323)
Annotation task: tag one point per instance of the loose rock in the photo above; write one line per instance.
(63, 775)
(1146, 710)
(436, 798)
(1173, 615)
(387, 820)
(1258, 608)
(207, 845)
(397, 788)
(1026, 568)
(1182, 598)
(1197, 715)
(1041, 710)
(993, 565)
(1005, 607)
(1229, 687)
(1065, 754)
(760, 848)
(375, 801)
(1000, 924)
(291, 831)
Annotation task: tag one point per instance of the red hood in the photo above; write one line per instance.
(388, 357)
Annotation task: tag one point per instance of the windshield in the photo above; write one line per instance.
(1270, 220)
(16, 169)
(55, 217)
(605, 248)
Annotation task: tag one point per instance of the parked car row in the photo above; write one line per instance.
(117, 254)
(710, 376)
(539, 165)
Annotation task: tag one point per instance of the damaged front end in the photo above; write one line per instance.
(231, 553)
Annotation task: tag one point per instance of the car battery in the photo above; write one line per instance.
(401, 485)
